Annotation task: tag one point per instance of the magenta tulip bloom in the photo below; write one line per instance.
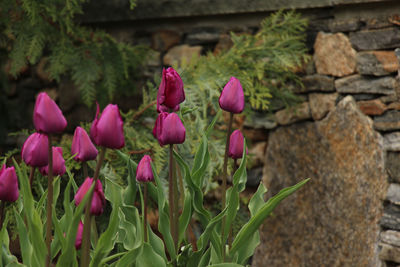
(82, 146)
(108, 130)
(236, 145)
(144, 172)
(79, 233)
(58, 163)
(8, 184)
(232, 97)
(98, 200)
(170, 93)
(169, 129)
(35, 151)
(47, 116)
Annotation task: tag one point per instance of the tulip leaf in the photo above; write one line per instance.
(240, 176)
(6, 258)
(156, 243)
(201, 160)
(107, 240)
(211, 126)
(25, 244)
(68, 255)
(35, 224)
(185, 217)
(149, 258)
(131, 190)
(163, 221)
(129, 257)
(128, 224)
(226, 264)
(254, 223)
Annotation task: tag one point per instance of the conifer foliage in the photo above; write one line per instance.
(95, 61)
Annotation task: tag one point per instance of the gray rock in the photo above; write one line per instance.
(391, 237)
(254, 177)
(376, 39)
(389, 121)
(316, 82)
(393, 166)
(393, 194)
(348, 25)
(377, 63)
(291, 115)
(261, 121)
(391, 217)
(391, 141)
(202, 36)
(389, 253)
(343, 156)
(180, 53)
(357, 84)
(321, 104)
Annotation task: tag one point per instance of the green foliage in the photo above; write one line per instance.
(99, 66)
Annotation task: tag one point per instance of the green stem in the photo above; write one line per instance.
(176, 207)
(49, 204)
(85, 169)
(85, 255)
(145, 212)
(95, 234)
(31, 175)
(103, 261)
(230, 236)
(171, 193)
(224, 178)
(2, 211)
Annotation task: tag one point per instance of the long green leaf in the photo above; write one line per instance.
(163, 221)
(25, 244)
(254, 223)
(149, 258)
(6, 258)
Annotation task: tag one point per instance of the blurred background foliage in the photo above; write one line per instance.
(102, 69)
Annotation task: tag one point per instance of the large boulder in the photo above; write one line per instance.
(334, 219)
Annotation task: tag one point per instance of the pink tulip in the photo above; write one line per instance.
(144, 172)
(232, 97)
(8, 184)
(58, 163)
(170, 93)
(236, 145)
(47, 116)
(98, 200)
(169, 129)
(108, 130)
(35, 151)
(79, 233)
(82, 146)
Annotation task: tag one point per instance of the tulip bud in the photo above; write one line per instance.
(236, 145)
(47, 116)
(169, 129)
(232, 97)
(170, 93)
(108, 130)
(79, 233)
(58, 163)
(35, 151)
(8, 184)
(144, 172)
(82, 146)
(98, 200)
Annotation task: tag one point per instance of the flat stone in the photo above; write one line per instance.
(390, 237)
(316, 82)
(180, 53)
(389, 121)
(154, 59)
(393, 166)
(295, 114)
(202, 36)
(261, 121)
(391, 217)
(321, 104)
(376, 39)
(393, 194)
(165, 39)
(255, 135)
(254, 177)
(389, 253)
(372, 107)
(69, 95)
(257, 152)
(344, 157)
(394, 106)
(333, 54)
(348, 25)
(377, 63)
(391, 141)
(357, 84)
